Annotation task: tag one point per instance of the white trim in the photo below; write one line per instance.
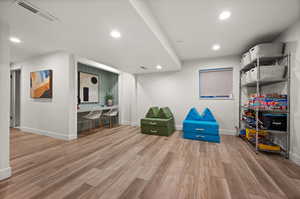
(5, 173)
(295, 158)
(125, 122)
(134, 124)
(227, 132)
(216, 98)
(222, 131)
(49, 133)
(145, 13)
(72, 137)
(73, 71)
(178, 127)
(97, 65)
(15, 67)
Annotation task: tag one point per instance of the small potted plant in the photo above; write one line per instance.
(109, 99)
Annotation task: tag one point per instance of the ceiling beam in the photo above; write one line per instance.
(143, 10)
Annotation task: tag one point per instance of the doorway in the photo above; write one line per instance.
(15, 98)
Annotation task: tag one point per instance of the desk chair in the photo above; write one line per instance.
(113, 113)
(92, 117)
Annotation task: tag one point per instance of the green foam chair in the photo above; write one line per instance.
(153, 112)
(158, 122)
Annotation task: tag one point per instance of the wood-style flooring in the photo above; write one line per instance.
(122, 163)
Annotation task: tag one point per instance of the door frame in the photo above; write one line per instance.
(15, 94)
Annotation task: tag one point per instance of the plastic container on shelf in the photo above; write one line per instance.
(275, 121)
(243, 78)
(243, 132)
(248, 77)
(252, 75)
(246, 59)
(252, 132)
(266, 50)
(269, 146)
(268, 73)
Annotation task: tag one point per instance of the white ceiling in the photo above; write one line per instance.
(196, 23)
(84, 29)
(150, 29)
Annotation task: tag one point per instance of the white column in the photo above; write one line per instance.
(127, 99)
(5, 170)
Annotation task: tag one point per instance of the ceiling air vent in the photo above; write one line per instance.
(27, 6)
(143, 67)
(36, 10)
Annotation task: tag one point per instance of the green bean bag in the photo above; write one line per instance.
(158, 122)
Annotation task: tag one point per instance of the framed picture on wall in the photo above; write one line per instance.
(88, 88)
(41, 84)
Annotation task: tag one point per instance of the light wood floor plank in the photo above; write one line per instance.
(122, 163)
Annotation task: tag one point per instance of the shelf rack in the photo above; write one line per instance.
(270, 131)
(264, 83)
(266, 110)
(258, 63)
(262, 60)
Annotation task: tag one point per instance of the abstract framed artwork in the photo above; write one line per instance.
(88, 88)
(41, 84)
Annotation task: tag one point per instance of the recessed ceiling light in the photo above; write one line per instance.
(224, 15)
(158, 67)
(15, 40)
(216, 47)
(115, 34)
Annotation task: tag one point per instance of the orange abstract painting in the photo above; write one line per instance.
(41, 84)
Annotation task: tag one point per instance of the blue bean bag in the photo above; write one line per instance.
(202, 127)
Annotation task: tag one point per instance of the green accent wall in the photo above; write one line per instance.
(108, 82)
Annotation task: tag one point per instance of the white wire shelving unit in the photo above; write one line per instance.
(257, 86)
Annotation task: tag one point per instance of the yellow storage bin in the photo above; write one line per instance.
(269, 147)
(251, 133)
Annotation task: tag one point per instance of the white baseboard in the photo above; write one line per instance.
(49, 133)
(295, 158)
(222, 131)
(5, 173)
(125, 122)
(134, 124)
(227, 132)
(178, 127)
(72, 137)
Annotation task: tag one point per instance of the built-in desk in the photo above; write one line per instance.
(84, 109)
(96, 107)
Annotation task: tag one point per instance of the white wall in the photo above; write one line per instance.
(180, 91)
(57, 117)
(292, 37)
(52, 117)
(127, 98)
(5, 170)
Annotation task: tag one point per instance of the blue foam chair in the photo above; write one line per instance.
(201, 127)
